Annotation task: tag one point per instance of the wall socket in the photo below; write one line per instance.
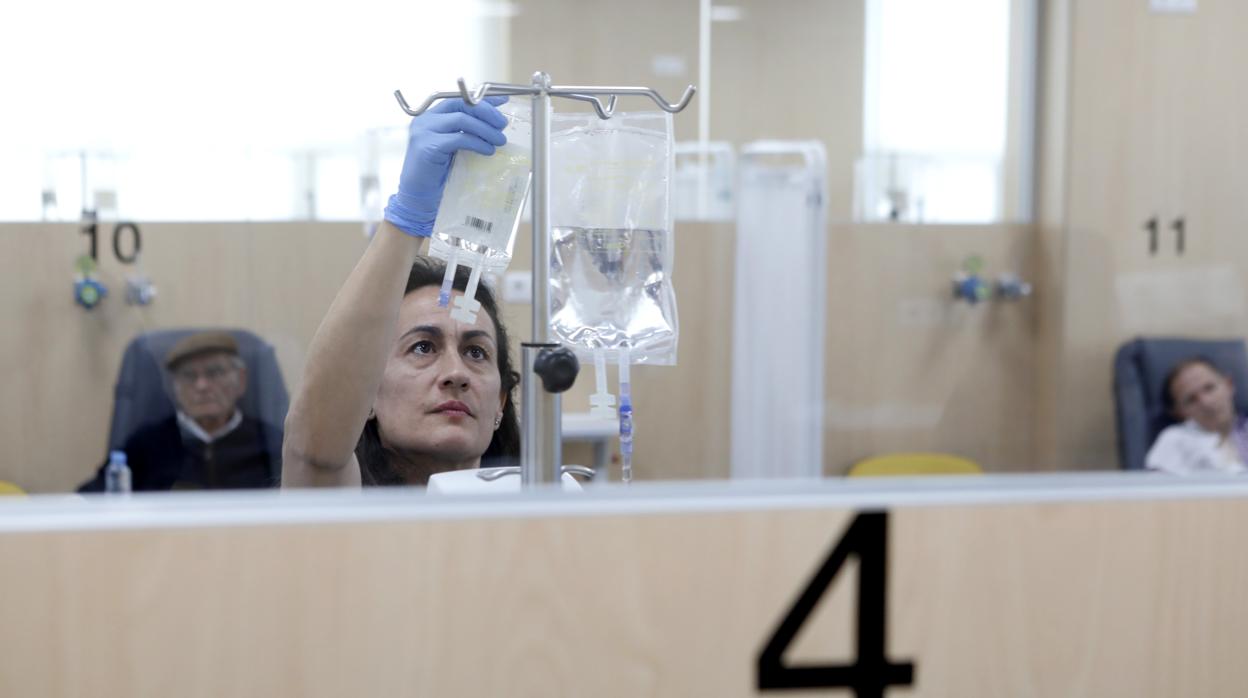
(518, 287)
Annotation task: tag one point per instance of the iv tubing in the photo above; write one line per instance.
(448, 279)
(626, 419)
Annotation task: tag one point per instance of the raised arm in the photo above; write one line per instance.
(345, 361)
(347, 356)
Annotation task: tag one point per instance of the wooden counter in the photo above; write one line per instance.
(1101, 585)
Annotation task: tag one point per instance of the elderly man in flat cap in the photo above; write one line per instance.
(208, 443)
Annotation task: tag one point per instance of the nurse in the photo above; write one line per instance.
(394, 390)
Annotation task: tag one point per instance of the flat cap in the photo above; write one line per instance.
(200, 343)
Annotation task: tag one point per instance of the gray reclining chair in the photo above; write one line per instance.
(1140, 369)
(141, 396)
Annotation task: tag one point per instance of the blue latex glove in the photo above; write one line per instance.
(432, 140)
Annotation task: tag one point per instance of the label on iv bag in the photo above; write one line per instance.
(484, 195)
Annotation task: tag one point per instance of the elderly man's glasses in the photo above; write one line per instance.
(190, 376)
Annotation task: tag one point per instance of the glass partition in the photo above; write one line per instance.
(899, 297)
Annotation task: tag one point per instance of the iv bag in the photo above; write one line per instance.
(484, 194)
(612, 246)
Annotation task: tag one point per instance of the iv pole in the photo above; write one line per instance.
(542, 445)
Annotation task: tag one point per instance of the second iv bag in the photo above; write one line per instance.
(611, 250)
(611, 246)
(480, 210)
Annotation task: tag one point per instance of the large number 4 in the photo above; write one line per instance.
(867, 539)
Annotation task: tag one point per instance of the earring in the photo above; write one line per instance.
(498, 420)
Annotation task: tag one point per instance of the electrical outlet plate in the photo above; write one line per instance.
(1172, 7)
(517, 287)
(920, 312)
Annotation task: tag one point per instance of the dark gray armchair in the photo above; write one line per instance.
(142, 395)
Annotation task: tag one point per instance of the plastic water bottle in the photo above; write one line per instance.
(117, 474)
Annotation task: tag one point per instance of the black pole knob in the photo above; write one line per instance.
(557, 367)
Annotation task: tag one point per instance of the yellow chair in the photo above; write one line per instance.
(9, 488)
(893, 464)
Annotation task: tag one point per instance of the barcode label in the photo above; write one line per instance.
(478, 223)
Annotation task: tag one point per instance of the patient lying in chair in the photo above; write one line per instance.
(1211, 437)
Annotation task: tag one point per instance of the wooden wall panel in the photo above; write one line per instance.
(1067, 598)
(908, 368)
(1149, 130)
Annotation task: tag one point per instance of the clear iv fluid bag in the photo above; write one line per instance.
(611, 288)
(612, 245)
(484, 196)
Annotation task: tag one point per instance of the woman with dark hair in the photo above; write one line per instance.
(394, 389)
(1210, 437)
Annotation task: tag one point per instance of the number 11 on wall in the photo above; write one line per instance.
(872, 672)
